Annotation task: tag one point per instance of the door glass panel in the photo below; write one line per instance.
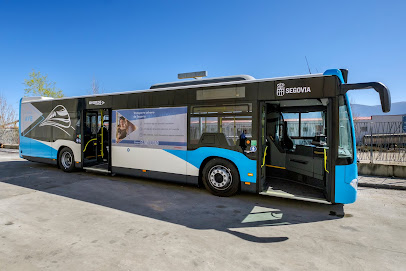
(345, 146)
(90, 135)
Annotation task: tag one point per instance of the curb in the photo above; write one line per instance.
(382, 186)
(9, 146)
(383, 170)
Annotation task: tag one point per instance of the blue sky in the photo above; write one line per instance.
(130, 45)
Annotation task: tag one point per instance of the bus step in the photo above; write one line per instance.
(282, 194)
(97, 170)
(285, 188)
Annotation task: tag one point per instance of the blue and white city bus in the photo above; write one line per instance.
(289, 137)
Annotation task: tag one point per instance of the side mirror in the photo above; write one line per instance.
(383, 91)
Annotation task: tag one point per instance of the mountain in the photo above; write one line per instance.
(360, 110)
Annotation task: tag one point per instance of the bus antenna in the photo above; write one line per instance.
(308, 67)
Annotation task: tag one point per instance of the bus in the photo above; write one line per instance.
(290, 137)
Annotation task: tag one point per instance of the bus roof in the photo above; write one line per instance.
(240, 82)
(205, 81)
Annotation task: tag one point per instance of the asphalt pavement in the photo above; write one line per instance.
(51, 220)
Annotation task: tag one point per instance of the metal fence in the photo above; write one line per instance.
(380, 142)
(9, 136)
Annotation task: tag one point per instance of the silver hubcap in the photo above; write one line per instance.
(66, 160)
(220, 177)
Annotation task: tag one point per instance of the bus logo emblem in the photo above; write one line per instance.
(280, 89)
(97, 102)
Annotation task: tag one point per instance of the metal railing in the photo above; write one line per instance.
(380, 142)
(9, 136)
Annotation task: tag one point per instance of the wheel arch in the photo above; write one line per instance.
(60, 149)
(76, 149)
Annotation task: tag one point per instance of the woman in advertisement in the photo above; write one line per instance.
(124, 128)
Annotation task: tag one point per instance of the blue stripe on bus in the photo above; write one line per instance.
(335, 72)
(244, 164)
(346, 179)
(19, 126)
(35, 148)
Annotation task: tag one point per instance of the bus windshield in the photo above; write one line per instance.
(345, 145)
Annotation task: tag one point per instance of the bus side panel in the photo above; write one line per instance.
(246, 167)
(20, 147)
(148, 160)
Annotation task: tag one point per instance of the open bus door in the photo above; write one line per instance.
(296, 137)
(96, 140)
(263, 145)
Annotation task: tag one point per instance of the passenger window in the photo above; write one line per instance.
(230, 120)
(201, 125)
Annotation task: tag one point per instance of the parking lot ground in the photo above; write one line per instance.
(51, 220)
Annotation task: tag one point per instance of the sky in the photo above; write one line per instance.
(131, 45)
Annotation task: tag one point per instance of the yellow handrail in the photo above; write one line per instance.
(263, 160)
(88, 144)
(325, 161)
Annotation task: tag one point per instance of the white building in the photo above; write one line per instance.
(382, 124)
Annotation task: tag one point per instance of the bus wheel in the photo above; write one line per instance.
(66, 160)
(221, 177)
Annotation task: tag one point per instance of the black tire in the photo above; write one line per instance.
(66, 160)
(221, 178)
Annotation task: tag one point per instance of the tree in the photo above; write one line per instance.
(39, 85)
(95, 87)
(8, 115)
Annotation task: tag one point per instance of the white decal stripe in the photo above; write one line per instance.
(151, 159)
(34, 126)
